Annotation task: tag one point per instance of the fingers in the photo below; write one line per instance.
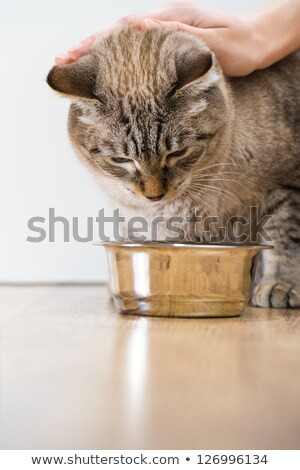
(166, 14)
(63, 59)
(83, 47)
(76, 52)
(151, 23)
(177, 26)
(209, 36)
(172, 10)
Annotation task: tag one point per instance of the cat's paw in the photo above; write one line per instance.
(276, 294)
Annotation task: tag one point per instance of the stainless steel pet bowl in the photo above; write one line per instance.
(180, 280)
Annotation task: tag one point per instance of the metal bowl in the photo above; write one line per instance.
(181, 280)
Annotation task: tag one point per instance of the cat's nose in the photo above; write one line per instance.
(155, 198)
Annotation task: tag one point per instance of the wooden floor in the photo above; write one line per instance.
(77, 375)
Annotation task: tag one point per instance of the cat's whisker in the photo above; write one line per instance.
(202, 193)
(208, 197)
(190, 198)
(220, 173)
(221, 179)
(234, 164)
(214, 189)
(196, 203)
(220, 191)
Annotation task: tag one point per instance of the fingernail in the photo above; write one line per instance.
(59, 59)
(78, 46)
(128, 19)
(74, 52)
(152, 24)
(62, 56)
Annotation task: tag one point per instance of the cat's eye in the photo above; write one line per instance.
(95, 150)
(205, 136)
(121, 160)
(177, 153)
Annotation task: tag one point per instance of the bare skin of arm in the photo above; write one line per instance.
(242, 43)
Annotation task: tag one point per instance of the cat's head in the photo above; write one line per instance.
(150, 109)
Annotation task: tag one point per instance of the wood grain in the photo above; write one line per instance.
(75, 374)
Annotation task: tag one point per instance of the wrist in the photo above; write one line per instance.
(275, 32)
(261, 45)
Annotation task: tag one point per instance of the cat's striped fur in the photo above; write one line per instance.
(142, 95)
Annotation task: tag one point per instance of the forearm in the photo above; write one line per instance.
(277, 30)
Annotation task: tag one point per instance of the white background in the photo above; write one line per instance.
(38, 167)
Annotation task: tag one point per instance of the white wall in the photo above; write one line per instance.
(38, 168)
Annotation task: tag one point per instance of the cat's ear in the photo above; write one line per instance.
(193, 65)
(76, 80)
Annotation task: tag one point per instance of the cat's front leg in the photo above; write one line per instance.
(279, 286)
(276, 294)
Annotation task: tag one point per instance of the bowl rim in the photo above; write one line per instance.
(160, 244)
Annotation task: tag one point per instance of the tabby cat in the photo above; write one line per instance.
(166, 133)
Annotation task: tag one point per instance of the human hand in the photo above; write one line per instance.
(233, 38)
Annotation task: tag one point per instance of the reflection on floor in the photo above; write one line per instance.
(77, 375)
